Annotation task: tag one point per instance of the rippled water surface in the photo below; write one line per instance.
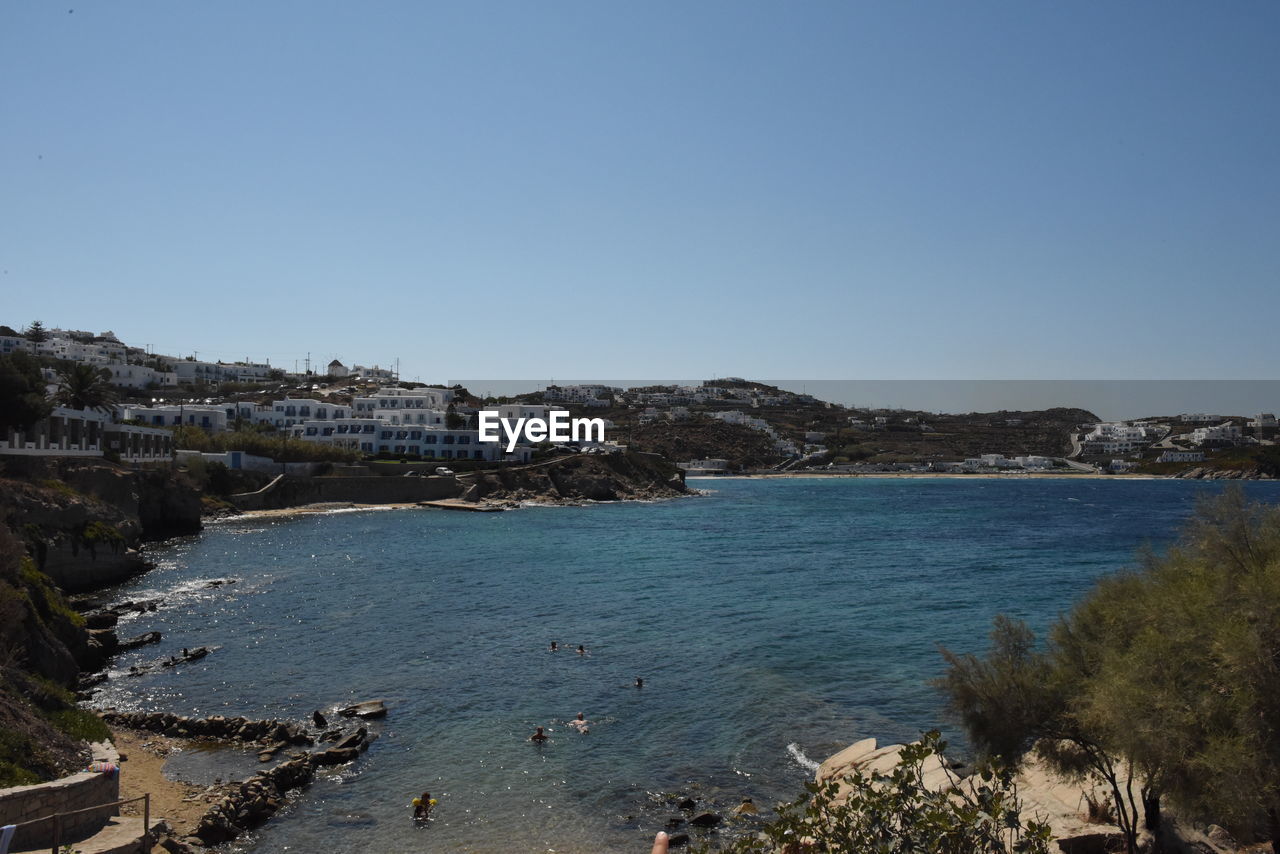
(773, 622)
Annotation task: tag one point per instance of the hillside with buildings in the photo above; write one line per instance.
(96, 395)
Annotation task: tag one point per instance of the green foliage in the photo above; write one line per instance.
(97, 533)
(22, 400)
(61, 487)
(253, 441)
(80, 724)
(48, 599)
(219, 479)
(84, 386)
(1002, 699)
(13, 749)
(36, 333)
(897, 813)
(1167, 672)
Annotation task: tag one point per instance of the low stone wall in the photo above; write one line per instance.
(86, 789)
(296, 491)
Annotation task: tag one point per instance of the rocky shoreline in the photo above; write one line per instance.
(251, 802)
(1209, 473)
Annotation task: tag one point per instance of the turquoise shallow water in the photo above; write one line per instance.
(772, 621)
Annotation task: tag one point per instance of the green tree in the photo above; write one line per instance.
(1209, 667)
(22, 399)
(1167, 675)
(83, 386)
(36, 333)
(1018, 699)
(452, 420)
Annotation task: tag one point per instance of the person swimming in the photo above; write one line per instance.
(582, 650)
(422, 807)
(639, 682)
(554, 646)
(538, 736)
(583, 726)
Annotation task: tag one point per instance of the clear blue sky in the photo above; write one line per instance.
(557, 189)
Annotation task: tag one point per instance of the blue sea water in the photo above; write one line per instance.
(773, 622)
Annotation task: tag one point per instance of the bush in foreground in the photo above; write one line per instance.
(1167, 675)
(897, 813)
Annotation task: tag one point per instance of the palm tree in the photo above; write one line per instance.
(83, 386)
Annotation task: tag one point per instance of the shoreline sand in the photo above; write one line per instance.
(143, 755)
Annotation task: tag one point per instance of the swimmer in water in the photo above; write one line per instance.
(583, 726)
(538, 736)
(639, 682)
(582, 650)
(422, 807)
(554, 646)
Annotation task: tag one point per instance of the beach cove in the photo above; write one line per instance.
(774, 622)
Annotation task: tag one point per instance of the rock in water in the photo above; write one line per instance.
(367, 709)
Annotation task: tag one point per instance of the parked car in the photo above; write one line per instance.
(446, 472)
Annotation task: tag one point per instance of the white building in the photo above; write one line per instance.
(1222, 434)
(193, 370)
(1265, 422)
(290, 411)
(1177, 456)
(376, 374)
(65, 433)
(13, 344)
(211, 417)
(133, 444)
(1198, 418)
(583, 395)
(708, 466)
(1116, 437)
(140, 376)
(377, 435)
(399, 399)
(337, 369)
(511, 412)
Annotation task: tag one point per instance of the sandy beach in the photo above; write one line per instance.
(143, 755)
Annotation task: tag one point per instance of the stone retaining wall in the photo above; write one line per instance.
(88, 788)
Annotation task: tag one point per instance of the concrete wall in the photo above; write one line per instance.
(86, 789)
(292, 491)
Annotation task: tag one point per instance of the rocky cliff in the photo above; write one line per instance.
(580, 477)
(42, 642)
(83, 521)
